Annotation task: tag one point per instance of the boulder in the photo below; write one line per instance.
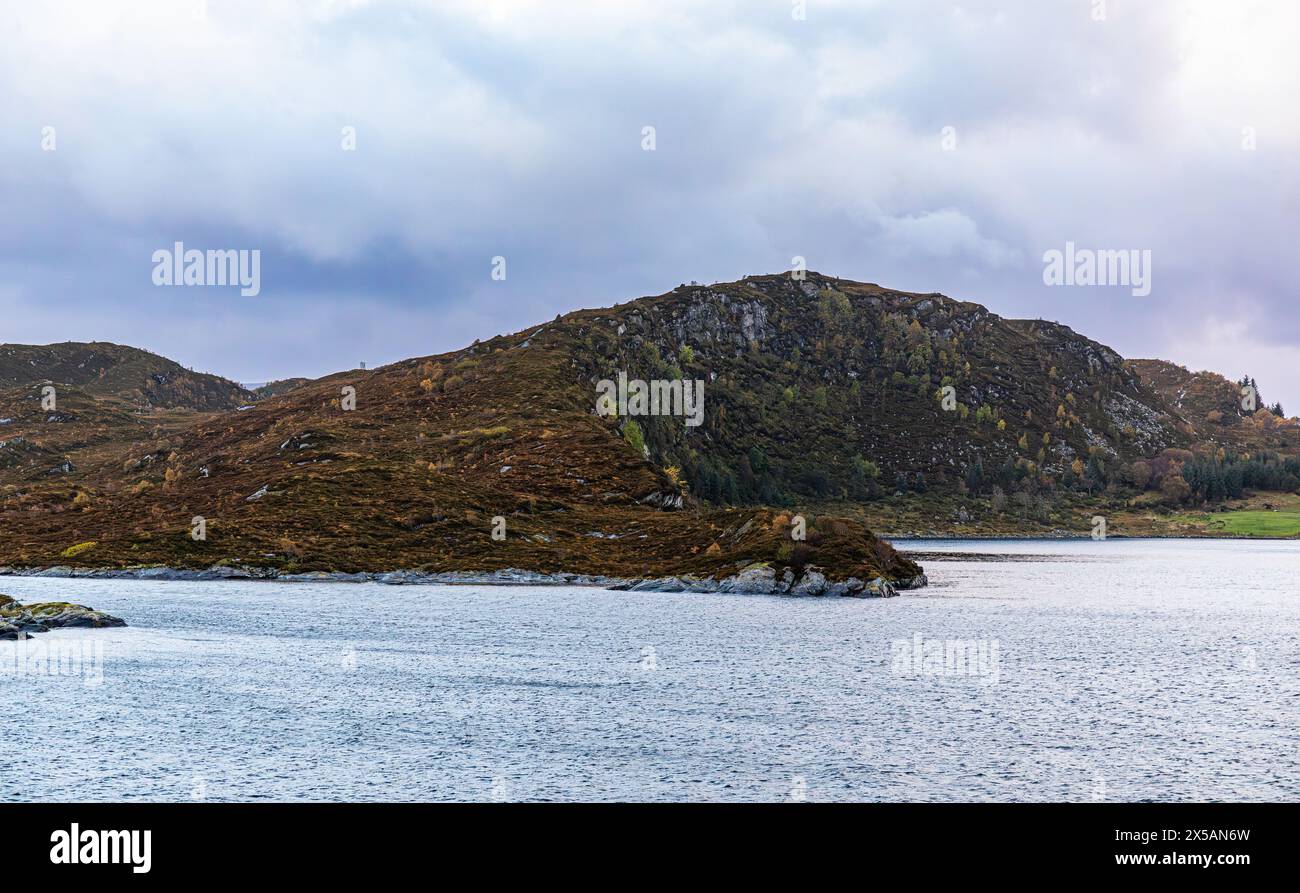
(757, 579)
(661, 584)
(813, 582)
(880, 588)
(850, 588)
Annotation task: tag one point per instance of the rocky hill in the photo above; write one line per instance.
(415, 465)
(833, 404)
(829, 389)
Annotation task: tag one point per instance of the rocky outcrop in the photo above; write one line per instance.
(19, 621)
(763, 579)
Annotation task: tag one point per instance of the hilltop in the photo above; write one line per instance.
(102, 369)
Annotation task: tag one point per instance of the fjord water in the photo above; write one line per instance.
(1125, 670)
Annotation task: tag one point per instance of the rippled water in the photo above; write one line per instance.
(1119, 670)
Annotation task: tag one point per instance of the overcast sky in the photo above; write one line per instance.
(515, 129)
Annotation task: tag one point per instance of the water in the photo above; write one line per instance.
(1123, 670)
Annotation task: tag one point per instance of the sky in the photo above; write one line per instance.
(923, 145)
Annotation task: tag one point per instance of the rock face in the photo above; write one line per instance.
(19, 621)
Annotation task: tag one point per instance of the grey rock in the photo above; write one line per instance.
(813, 582)
(879, 588)
(850, 588)
(912, 582)
(402, 578)
(757, 579)
(662, 584)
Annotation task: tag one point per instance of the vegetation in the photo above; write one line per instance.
(819, 398)
(1257, 523)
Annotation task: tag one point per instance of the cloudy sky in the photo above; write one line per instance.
(924, 145)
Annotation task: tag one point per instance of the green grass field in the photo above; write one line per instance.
(1257, 523)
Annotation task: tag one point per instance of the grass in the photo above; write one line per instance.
(1257, 523)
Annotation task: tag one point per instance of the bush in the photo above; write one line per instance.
(633, 434)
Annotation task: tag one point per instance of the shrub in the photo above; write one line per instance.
(633, 434)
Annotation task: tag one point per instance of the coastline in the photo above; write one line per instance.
(756, 579)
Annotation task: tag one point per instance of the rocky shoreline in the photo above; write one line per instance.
(18, 621)
(756, 579)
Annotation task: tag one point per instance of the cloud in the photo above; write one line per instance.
(515, 128)
(946, 234)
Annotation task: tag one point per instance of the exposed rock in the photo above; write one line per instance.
(398, 578)
(915, 582)
(755, 579)
(880, 588)
(663, 584)
(18, 621)
(787, 580)
(852, 587)
(813, 582)
(758, 579)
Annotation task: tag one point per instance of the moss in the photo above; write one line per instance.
(73, 551)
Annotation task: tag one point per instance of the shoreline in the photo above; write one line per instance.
(756, 579)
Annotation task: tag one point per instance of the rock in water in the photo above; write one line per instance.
(18, 621)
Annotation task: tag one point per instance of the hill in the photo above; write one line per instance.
(849, 405)
(102, 369)
(411, 476)
(1217, 410)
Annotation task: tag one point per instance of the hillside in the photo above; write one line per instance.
(276, 388)
(830, 389)
(435, 449)
(854, 406)
(1213, 407)
(129, 374)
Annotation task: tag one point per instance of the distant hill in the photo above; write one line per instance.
(102, 369)
(1213, 408)
(276, 388)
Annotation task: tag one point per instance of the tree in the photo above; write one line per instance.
(1139, 474)
(1175, 489)
(1094, 476)
(633, 434)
